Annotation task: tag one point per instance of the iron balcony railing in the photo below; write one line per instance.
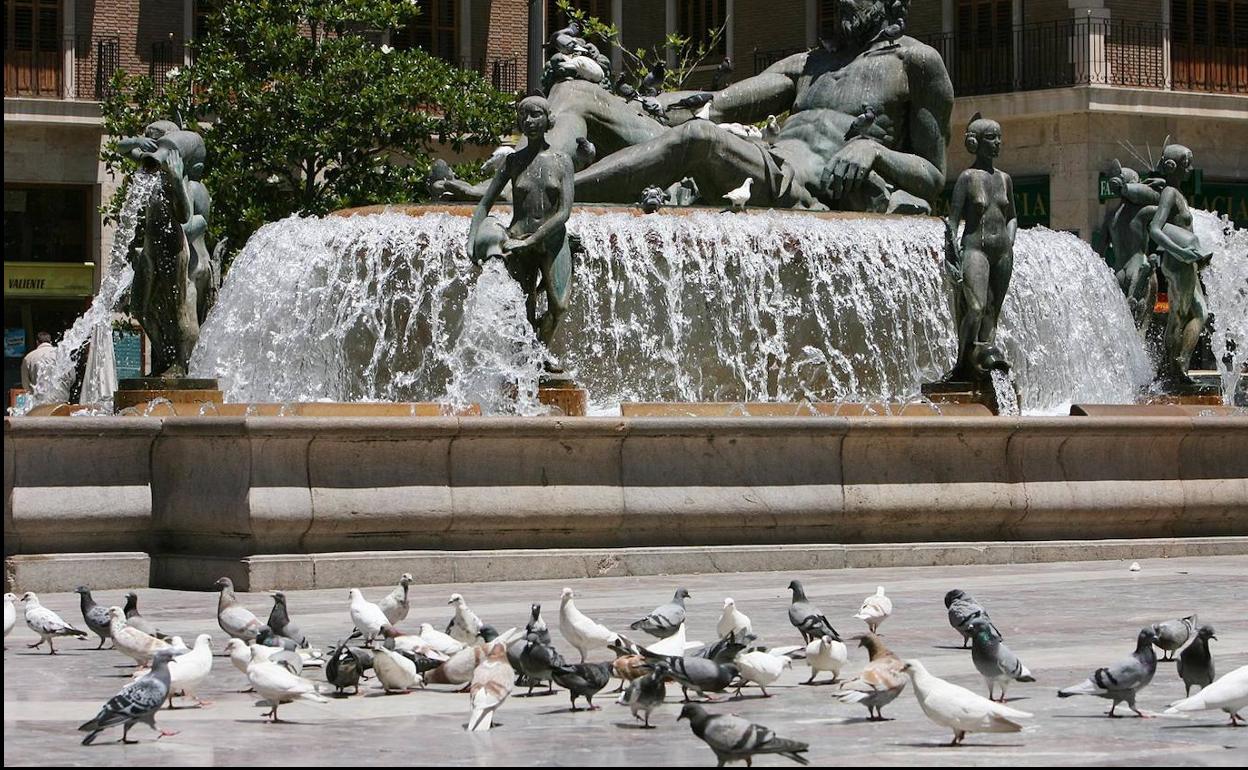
(80, 67)
(1091, 52)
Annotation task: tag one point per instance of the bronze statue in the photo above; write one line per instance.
(982, 261)
(1126, 229)
(535, 247)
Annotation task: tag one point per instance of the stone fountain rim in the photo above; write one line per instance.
(465, 209)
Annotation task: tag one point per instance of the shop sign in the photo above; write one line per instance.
(49, 279)
(14, 343)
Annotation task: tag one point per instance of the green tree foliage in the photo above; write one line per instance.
(303, 111)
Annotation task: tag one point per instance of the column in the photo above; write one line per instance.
(69, 48)
(464, 44)
(670, 14)
(537, 36)
(617, 21)
(812, 23)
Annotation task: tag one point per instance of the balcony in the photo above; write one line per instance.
(1092, 52)
(80, 67)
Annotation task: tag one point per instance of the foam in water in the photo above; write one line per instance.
(697, 307)
(1226, 291)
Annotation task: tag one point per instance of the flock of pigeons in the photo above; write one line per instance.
(489, 665)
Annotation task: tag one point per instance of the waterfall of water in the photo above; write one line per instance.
(56, 377)
(694, 307)
(1226, 290)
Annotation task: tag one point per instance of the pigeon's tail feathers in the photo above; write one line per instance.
(314, 696)
(1194, 703)
(1086, 687)
(851, 696)
(798, 758)
(91, 736)
(481, 719)
(1026, 677)
(1001, 724)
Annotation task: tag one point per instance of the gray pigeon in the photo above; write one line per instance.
(95, 616)
(536, 627)
(722, 74)
(652, 83)
(963, 610)
(994, 661)
(1121, 681)
(267, 638)
(279, 621)
(137, 702)
(538, 661)
(806, 617)
(734, 739)
(1173, 634)
(695, 673)
(1196, 662)
(343, 668)
(582, 680)
(646, 693)
(665, 619)
(135, 620)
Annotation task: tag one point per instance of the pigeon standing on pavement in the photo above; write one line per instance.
(491, 684)
(275, 684)
(395, 604)
(646, 693)
(875, 609)
(94, 615)
(235, 619)
(1230, 693)
(958, 708)
(581, 632)
(734, 739)
(343, 668)
(10, 614)
(666, 619)
(1120, 682)
(439, 641)
(760, 667)
(135, 620)
(138, 701)
(189, 671)
(696, 673)
(582, 680)
(465, 626)
(880, 682)
(280, 624)
(806, 617)
(733, 620)
(1173, 634)
(994, 661)
(963, 610)
(130, 641)
(396, 671)
(538, 660)
(46, 623)
(1196, 662)
(367, 617)
(826, 654)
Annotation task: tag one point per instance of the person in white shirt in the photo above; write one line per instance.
(43, 351)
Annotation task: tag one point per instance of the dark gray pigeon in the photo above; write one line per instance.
(137, 702)
(95, 616)
(652, 83)
(266, 637)
(692, 102)
(279, 621)
(536, 627)
(1121, 681)
(695, 673)
(1173, 634)
(722, 74)
(725, 650)
(665, 619)
(538, 661)
(734, 739)
(806, 617)
(1196, 662)
(963, 610)
(994, 661)
(646, 693)
(343, 668)
(582, 680)
(134, 619)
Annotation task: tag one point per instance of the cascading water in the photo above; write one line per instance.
(55, 379)
(693, 307)
(1226, 290)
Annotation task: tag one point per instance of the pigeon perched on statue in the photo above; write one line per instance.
(723, 74)
(652, 83)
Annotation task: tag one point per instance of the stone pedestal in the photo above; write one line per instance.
(180, 390)
(561, 393)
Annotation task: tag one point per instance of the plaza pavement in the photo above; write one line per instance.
(1063, 620)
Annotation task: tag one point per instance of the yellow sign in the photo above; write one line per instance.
(49, 279)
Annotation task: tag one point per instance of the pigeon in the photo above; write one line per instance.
(239, 654)
(235, 619)
(1173, 634)
(958, 708)
(267, 638)
(624, 88)
(760, 667)
(704, 112)
(740, 196)
(1230, 693)
(367, 617)
(665, 619)
(343, 668)
(189, 671)
(567, 40)
(1195, 662)
(879, 683)
(771, 131)
(94, 615)
(582, 680)
(537, 625)
(138, 701)
(275, 684)
(439, 641)
(647, 692)
(692, 103)
(826, 654)
(994, 661)
(628, 668)
(725, 650)
(735, 739)
(695, 673)
(135, 620)
(963, 610)
(584, 155)
(132, 642)
(279, 621)
(807, 618)
(1121, 681)
(577, 67)
(875, 609)
(652, 83)
(10, 614)
(653, 109)
(732, 621)
(46, 623)
(465, 626)
(492, 165)
(538, 661)
(742, 130)
(722, 73)
(491, 684)
(396, 671)
(581, 632)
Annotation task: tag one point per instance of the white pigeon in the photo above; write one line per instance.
(190, 670)
(395, 604)
(958, 708)
(235, 619)
(46, 623)
(760, 667)
(733, 620)
(581, 632)
(1229, 693)
(458, 669)
(465, 626)
(578, 67)
(677, 644)
(275, 684)
(826, 654)
(495, 162)
(240, 654)
(491, 684)
(875, 609)
(443, 643)
(414, 643)
(742, 130)
(771, 131)
(177, 645)
(10, 613)
(132, 642)
(395, 671)
(740, 196)
(367, 617)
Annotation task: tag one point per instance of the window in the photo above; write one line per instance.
(1222, 23)
(47, 223)
(698, 19)
(32, 60)
(826, 11)
(985, 23)
(557, 19)
(435, 29)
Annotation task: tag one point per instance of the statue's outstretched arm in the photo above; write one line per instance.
(921, 169)
(488, 199)
(770, 92)
(1140, 194)
(1157, 229)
